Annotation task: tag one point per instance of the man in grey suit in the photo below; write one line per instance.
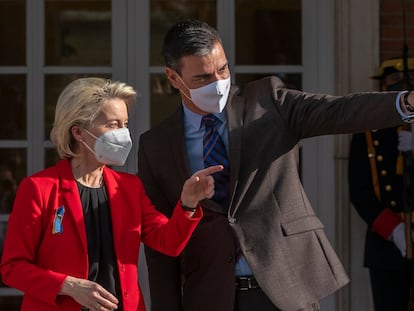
(260, 245)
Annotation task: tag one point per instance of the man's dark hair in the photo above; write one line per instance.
(190, 37)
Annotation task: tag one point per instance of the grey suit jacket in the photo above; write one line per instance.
(279, 233)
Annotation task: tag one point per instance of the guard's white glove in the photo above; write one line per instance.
(398, 237)
(405, 141)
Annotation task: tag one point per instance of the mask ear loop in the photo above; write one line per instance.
(90, 133)
(182, 81)
(86, 145)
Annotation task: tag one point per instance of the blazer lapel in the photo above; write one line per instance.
(116, 205)
(71, 199)
(176, 146)
(235, 112)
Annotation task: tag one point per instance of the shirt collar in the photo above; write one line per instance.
(194, 119)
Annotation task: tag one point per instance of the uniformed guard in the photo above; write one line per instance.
(376, 192)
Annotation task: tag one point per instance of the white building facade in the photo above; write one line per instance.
(315, 45)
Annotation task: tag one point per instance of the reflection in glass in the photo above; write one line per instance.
(78, 33)
(54, 85)
(291, 80)
(12, 170)
(268, 32)
(13, 107)
(164, 13)
(13, 33)
(164, 98)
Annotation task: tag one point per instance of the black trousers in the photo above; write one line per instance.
(253, 300)
(391, 289)
(256, 300)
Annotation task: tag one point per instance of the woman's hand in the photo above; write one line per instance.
(199, 186)
(89, 294)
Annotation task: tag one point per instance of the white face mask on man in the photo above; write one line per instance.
(210, 98)
(112, 147)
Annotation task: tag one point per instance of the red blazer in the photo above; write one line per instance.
(36, 260)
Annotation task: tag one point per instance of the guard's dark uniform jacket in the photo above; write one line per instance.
(379, 252)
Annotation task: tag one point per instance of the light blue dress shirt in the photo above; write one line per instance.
(193, 133)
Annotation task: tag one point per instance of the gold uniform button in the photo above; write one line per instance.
(388, 187)
(380, 158)
(376, 143)
(383, 173)
(393, 203)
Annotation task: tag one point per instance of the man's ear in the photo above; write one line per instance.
(172, 77)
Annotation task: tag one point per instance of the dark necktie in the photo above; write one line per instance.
(215, 153)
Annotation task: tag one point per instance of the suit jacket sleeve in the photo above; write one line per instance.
(312, 115)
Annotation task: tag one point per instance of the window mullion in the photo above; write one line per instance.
(226, 27)
(35, 85)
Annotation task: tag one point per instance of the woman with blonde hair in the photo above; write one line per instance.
(75, 229)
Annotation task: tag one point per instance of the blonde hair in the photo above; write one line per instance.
(79, 104)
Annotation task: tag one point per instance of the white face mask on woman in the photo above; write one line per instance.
(112, 147)
(212, 97)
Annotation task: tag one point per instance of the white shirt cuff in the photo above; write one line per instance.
(409, 118)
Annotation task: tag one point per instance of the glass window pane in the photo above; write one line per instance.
(164, 13)
(78, 33)
(12, 170)
(51, 157)
(13, 103)
(7, 303)
(268, 32)
(292, 80)
(12, 33)
(3, 229)
(164, 98)
(54, 85)
(11, 303)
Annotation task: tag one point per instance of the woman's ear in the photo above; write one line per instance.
(76, 132)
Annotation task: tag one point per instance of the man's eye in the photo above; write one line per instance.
(202, 79)
(224, 69)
